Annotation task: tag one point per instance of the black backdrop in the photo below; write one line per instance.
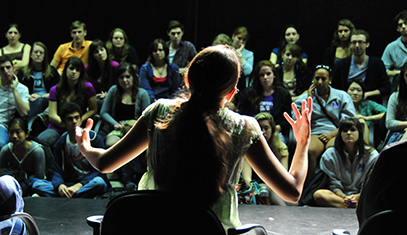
(48, 21)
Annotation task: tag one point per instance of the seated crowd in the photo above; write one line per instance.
(105, 81)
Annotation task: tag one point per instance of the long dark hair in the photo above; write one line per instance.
(361, 145)
(46, 68)
(93, 70)
(256, 90)
(195, 157)
(153, 47)
(63, 88)
(401, 108)
(126, 67)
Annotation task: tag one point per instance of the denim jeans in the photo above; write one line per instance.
(97, 186)
(3, 137)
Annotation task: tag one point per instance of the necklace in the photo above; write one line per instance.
(162, 70)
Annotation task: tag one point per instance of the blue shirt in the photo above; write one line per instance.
(395, 55)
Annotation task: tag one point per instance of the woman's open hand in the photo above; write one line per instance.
(302, 125)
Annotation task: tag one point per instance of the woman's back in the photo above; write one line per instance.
(244, 131)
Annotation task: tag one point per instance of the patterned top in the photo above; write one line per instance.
(8, 104)
(244, 131)
(185, 53)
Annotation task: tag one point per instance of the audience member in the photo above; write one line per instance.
(120, 50)
(71, 88)
(296, 76)
(396, 117)
(124, 103)
(340, 46)
(361, 67)
(267, 94)
(246, 57)
(14, 97)
(11, 201)
(24, 158)
(73, 175)
(367, 111)
(79, 47)
(101, 70)
(173, 129)
(222, 39)
(280, 150)
(330, 106)
(19, 52)
(159, 77)
(395, 54)
(180, 52)
(346, 165)
(39, 77)
(289, 35)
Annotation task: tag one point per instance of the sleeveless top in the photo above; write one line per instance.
(16, 55)
(244, 130)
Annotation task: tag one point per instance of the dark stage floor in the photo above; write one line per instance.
(68, 216)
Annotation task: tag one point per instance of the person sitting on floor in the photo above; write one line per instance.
(268, 126)
(346, 165)
(330, 107)
(19, 52)
(23, 158)
(73, 175)
(39, 77)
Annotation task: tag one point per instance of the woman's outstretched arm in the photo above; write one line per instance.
(287, 184)
(129, 147)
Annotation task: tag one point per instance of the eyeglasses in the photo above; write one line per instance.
(322, 66)
(358, 42)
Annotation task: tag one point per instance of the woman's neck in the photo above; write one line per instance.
(269, 91)
(351, 150)
(324, 93)
(159, 63)
(288, 68)
(37, 66)
(101, 65)
(14, 45)
(343, 44)
(21, 149)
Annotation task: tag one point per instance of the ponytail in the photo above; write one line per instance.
(193, 163)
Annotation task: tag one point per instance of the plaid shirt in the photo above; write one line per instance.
(185, 53)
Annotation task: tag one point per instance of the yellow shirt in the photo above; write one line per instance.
(65, 51)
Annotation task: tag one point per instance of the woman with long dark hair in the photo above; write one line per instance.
(340, 47)
(100, 69)
(296, 76)
(72, 88)
(158, 76)
(346, 165)
(267, 94)
(195, 142)
(124, 103)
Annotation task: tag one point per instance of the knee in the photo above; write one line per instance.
(99, 183)
(319, 197)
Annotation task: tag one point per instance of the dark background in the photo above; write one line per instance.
(48, 21)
